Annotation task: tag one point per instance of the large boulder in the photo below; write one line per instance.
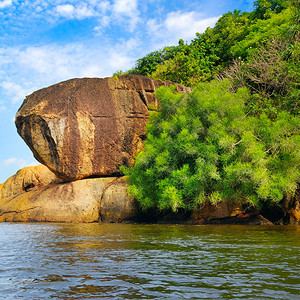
(35, 194)
(88, 127)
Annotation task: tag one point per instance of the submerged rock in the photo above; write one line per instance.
(90, 126)
(48, 200)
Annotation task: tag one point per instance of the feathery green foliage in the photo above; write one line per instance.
(203, 146)
(234, 139)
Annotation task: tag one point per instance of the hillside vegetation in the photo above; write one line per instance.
(235, 137)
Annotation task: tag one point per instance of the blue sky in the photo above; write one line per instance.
(43, 42)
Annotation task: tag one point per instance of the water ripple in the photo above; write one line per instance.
(117, 261)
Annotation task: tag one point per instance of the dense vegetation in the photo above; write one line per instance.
(235, 137)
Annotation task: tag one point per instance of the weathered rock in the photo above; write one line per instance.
(291, 209)
(27, 179)
(227, 213)
(220, 210)
(52, 201)
(116, 205)
(90, 126)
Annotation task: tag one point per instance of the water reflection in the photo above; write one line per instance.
(117, 261)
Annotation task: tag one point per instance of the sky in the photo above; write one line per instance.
(43, 42)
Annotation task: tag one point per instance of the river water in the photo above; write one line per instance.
(130, 261)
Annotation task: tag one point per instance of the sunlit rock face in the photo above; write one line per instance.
(27, 179)
(36, 194)
(90, 126)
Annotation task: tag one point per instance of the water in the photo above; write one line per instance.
(118, 261)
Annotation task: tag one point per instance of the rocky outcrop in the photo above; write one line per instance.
(36, 194)
(48, 200)
(83, 130)
(90, 126)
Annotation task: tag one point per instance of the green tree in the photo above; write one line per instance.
(264, 7)
(191, 64)
(148, 64)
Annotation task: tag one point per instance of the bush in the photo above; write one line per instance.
(204, 146)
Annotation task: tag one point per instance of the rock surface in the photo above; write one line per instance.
(116, 206)
(27, 179)
(227, 213)
(52, 201)
(221, 210)
(90, 126)
(291, 209)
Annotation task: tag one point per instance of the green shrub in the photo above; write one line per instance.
(204, 146)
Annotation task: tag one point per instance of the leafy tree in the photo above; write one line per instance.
(230, 29)
(272, 75)
(119, 73)
(264, 7)
(262, 31)
(191, 64)
(148, 64)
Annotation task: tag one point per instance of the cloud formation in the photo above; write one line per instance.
(81, 11)
(14, 91)
(127, 10)
(48, 64)
(5, 3)
(19, 162)
(178, 25)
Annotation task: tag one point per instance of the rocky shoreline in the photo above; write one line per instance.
(82, 131)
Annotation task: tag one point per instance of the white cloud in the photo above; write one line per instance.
(187, 24)
(103, 6)
(126, 11)
(126, 7)
(14, 90)
(60, 62)
(10, 161)
(80, 12)
(91, 71)
(45, 65)
(66, 10)
(119, 58)
(178, 25)
(104, 22)
(5, 3)
(19, 162)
